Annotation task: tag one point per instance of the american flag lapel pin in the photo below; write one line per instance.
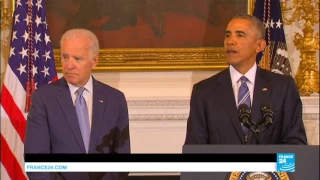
(264, 89)
(100, 101)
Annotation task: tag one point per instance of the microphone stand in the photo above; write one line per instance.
(245, 118)
(254, 128)
(258, 131)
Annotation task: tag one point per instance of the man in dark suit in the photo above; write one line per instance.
(78, 114)
(214, 102)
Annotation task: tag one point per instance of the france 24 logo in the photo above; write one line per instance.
(286, 162)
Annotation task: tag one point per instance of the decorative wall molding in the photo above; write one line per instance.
(311, 116)
(158, 117)
(158, 109)
(159, 102)
(178, 109)
(312, 100)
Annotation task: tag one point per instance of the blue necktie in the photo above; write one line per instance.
(83, 117)
(244, 98)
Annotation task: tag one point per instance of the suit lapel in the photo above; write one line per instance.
(99, 103)
(65, 101)
(261, 93)
(227, 99)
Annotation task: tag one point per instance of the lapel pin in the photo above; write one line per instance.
(101, 101)
(264, 89)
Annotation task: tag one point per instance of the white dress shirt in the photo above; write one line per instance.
(87, 94)
(236, 82)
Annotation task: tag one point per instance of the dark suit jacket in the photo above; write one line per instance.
(52, 126)
(213, 117)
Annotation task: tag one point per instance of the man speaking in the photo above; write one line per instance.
(265, 98)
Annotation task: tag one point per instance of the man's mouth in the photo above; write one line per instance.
(72, 74)
(230, 51)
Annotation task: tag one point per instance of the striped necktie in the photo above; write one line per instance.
(244, 98)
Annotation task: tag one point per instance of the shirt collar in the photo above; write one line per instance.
(88, 86)
(250, 75)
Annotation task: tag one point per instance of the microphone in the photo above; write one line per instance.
(245, 115)
(245, 118)
(267, 118)
(267, 115)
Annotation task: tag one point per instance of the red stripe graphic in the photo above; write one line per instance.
(16, 117)
(10, 162)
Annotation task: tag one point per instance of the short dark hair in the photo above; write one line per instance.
(256, 22)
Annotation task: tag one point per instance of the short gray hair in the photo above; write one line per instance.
(82, 33)
(256, 22)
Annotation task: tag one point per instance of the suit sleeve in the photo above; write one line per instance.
(293, 128)
(122, 138)
(37, 134)
(196, 125)
(121, 142)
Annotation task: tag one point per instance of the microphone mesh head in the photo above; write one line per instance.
(243, 106)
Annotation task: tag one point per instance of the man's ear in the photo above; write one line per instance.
(261, 44)
(95, 60)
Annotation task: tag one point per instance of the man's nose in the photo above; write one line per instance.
(70, 64)
(231, 41)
